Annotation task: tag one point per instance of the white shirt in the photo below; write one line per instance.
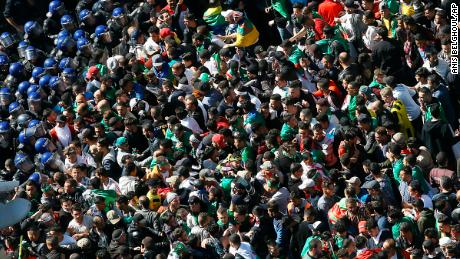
(405, 94)
(369, 37)
(191, 124)
(244, 251)
(67, 240)
(84, 227)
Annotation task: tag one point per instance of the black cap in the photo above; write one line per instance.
(371, 185)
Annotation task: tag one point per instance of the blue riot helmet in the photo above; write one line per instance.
(55, 7)
(44, 80)
(67, 22)
(22, 87)
(66, 63)
(16, 69)
(63, 33)
(34, 101)
(33, 28)
(50, 63)
(23, 162)
(5, 134)
(37, 72)
(4, 127)
(34, 123)
(43, 145)
(83, 44)
(69, 75)
(102, 33)
(36, 129)
(78, 34)
(7, 39)
(31, 53)
(52, 160)
(4, 60)
(119, 16)
(22, 46)
(100, 29)
(84, 14)
(5, 96)
(54, 82)
(15, 109)
(65, 44)
(32, 88)
(23, 121)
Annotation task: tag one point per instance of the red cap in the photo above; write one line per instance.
(92, 71)
(219, 140)
(165, 32)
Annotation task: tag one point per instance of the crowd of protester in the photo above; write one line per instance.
(230, 129)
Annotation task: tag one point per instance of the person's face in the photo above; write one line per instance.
(367, 5)
(273, 250)
(195, 207)
(294, 92)
(68, 188)
(329, 191)
(424, 98)
(77, 215)
(32, 235)
(318, 135)
(381, 139)
(374, 231)
(280, 82)
(30, 190)
(275, 104)
(67, 205)
(429, 14)
(433, 59)
(239, 218)
(388, 99)
(384, 12)
(444, 228)
(190, 23)
(239, 143)
(446, 48)
(352, 90)
(100, 206)
(189, 105)
(352, 207)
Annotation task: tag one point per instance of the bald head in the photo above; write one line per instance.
(344, 58)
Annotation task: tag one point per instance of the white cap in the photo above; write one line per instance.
(444, 241)
(307, 183)
(354, 180)
(112, 63)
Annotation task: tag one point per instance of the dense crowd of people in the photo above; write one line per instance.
(230, 129)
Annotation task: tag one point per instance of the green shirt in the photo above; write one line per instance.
(397, 167)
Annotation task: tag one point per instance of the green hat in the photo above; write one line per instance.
(204, 77)
(121, 141)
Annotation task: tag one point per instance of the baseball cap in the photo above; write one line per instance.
(121, 141)
(307, 183)
(354, 180)
(219, 140)
(113, 217)
(399, 139)
(92, 71)
(157, 60)
(267, 165)
(444, 241)
(165, 32)
(371, 185)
